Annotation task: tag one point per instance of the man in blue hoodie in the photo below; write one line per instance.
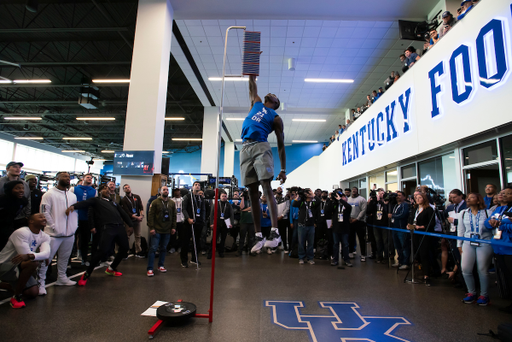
(84, 192)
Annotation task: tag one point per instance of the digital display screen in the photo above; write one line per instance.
(134, 163)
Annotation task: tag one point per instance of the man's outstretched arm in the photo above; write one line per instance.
(253, 91)
(279, 130)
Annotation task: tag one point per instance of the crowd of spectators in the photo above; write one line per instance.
(409, 58)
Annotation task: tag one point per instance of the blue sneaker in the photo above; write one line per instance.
(483, 301)
(470, 298)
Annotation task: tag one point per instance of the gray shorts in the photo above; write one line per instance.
(256, 163)
(9, 273)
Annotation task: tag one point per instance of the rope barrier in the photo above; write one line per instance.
(453, 237)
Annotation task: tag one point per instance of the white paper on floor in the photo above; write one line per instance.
(151, 312)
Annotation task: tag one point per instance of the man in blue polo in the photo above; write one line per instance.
(84, 192)
(256, 161)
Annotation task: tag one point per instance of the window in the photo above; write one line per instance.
(6, 148)
(439, 174)
(377, 181)
(506, 144)
(40, 160)
(392, 180)
(409, 171)
(485, 152)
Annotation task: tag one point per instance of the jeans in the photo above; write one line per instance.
(292, 237)
(343, 238)
(158, 240)
(306, 234)
(403, 247)
(482, 257)
(359, 228)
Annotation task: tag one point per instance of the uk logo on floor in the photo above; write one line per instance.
(344, 323)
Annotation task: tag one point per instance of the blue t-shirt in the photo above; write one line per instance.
(259, 123)
(411, 59)
(82, 193)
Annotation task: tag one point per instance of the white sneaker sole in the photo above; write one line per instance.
(273, 243)
(258, 246)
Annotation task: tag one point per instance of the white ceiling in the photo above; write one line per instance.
(365, 51)
(362, 44)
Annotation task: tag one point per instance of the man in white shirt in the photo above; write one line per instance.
(60, 227)
(18, 259)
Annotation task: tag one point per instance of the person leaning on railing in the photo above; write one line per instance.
(472, 225)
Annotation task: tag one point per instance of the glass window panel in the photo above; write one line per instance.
(351, 184)
(392, 187)
(6, 148)
(487, 151)
(439, 174)
(377, 181)
(392, 176)
(506, 145)
(409, 171)
(362, 187)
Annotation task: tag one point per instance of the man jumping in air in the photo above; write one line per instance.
(257, 163)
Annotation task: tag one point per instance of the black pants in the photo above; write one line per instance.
(425, 247)
(357, 228)
(84, 237)
(283, 225)
(114, 233)
(222, 233)
(174, 241)
(246, 229)
(321, 232)
(185, 236)
(504, 273)
(265, 231)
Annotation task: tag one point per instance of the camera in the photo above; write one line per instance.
(437, 199)
(373, 195)
(390, 197)
(336, 192)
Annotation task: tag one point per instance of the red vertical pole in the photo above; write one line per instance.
(214, 246)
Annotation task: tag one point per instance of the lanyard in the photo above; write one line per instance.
(178, 202)
(418, 211)
(477, 220)
(164, 203)
(396, 208)
(220, 206)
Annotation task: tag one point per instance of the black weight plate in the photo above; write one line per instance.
(176, 311)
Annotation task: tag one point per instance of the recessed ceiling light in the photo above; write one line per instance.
(108, 151)
(29, 138)
(98, 118)
(235, 119)
(229, 78)
(31, 81)
(120, 80)
(305, 141)
(309, 120)
(187, 139)
(165, 152)
(73, 151)
(174, 119)
(5, 81)
(239, 140)
(76, 138)
(23, 118)
(328, 80)
(100, 160)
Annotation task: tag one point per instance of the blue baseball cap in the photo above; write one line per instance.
(446, 14)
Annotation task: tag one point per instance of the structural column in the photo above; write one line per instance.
(209, 150)
(145, 115)
(229, 159)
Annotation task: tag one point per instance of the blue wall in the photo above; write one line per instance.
(296, 155)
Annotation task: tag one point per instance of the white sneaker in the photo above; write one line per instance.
(311, 262)
(260, 242)
(274, 239)
(404, 267)
(363, 259)
(351, 255)
(65, 282)
(42, 289)
(105, 264)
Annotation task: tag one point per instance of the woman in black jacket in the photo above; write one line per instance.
(341, 211)
(12, 202)
(423, 220)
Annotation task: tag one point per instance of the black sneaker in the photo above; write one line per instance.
(184, 265)
(334, 263)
